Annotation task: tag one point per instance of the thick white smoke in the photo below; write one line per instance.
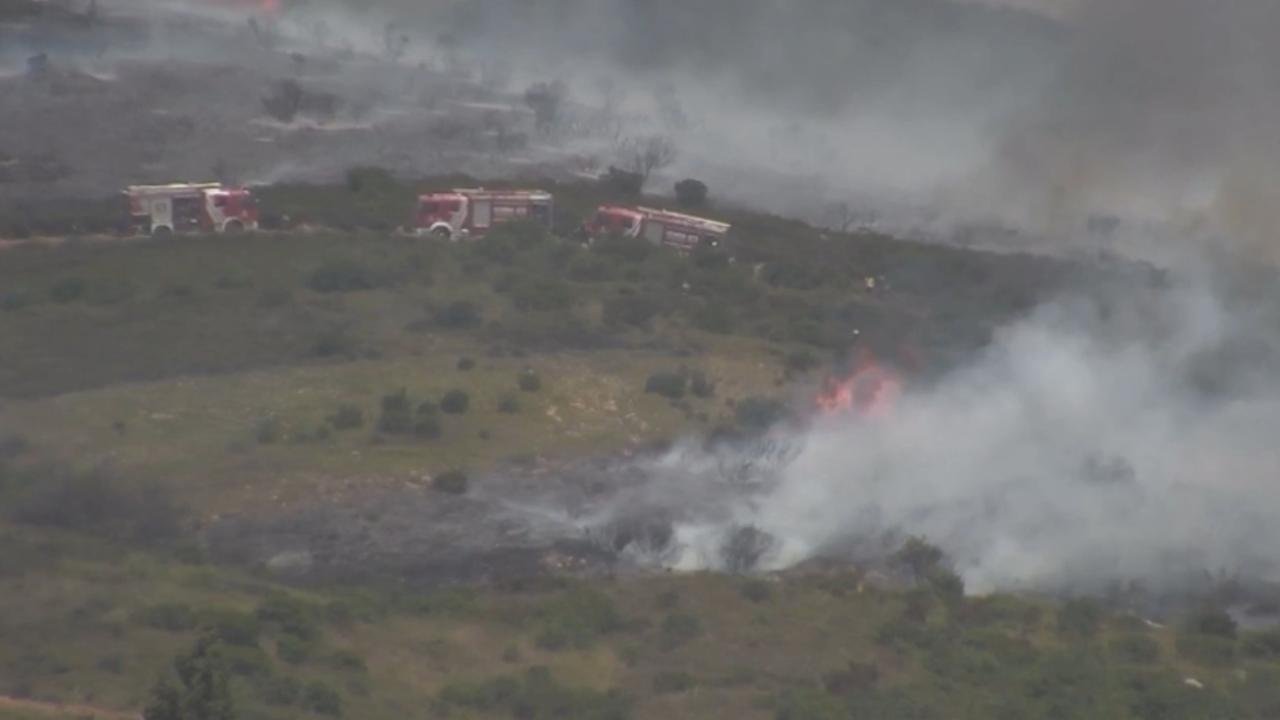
(1092, 443)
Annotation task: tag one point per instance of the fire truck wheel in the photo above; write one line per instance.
(234, 227)
(442, 234)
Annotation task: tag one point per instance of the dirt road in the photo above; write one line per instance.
(61, 709)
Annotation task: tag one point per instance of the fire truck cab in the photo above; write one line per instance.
(471, 212)
(198, 207)
(660, 227)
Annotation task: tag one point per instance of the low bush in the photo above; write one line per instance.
(802, 361)
(536, 695)
(670, 385)
(341, 275)
(347, 417)
(810, 704)
(672, 681)
(541, 295)
(630, 310)
(509, 404)
(1135, 648)
(701, 386)
(171, 617)
(347, 661)
(1212, 621)
(320, 698)
(268, 431)
(1207, 650)
(452, 482)
(95, 500)
(679, 629)
(279, 690)
(455, 402)
(757, 591)
(1080, 618)
(232, 627)
(577, 619)
(759, 413)
(68, 290)
(293, 649)
(397, 414)
(459, 315)
(466, 364)
(622, 182)
(287, 615)
(529, 381)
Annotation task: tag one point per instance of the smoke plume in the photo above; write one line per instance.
(1098, 441)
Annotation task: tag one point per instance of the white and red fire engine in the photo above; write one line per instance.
(465, 213)
(660, 227)
(198, 207)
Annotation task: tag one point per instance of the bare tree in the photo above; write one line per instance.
(643, 155)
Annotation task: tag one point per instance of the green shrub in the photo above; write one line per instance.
(397, 414)
(453, 482)
(341, 275)
(14, 300)
(458, 315)
(759, 413)
(529, 381)
(232, 627)
(428, 427)
(347, 417)
(801, 361)
(455, 402)
(322, 699)
(269, 431)
(1080, 618)
(757, 591)
(335, 342)
(810, 704)
(627, 249)
(466, 364)
(509, 404)
(632, 310)
(1264, 644)
(1212, 621)
(541, 295)
(577, 619)
(678, 629)
(1135, 648)
(172, 617)
(247, 662)
(68, 290)
(667, 384)
(714, 317)
(622, 182)
(347, 661)
(289, 616)
(293, 649)
(701, 386)
(534, 696)
(672, 681)
(279, 690)
(856, 677)
(1207, 650)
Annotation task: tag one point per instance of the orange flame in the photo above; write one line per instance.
(870, 390)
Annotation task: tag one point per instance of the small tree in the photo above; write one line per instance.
(691, 193)
(646, 154)
(397, 414)
(545, 100)
(201, 691)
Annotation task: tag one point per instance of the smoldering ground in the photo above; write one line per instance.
(1122, 438)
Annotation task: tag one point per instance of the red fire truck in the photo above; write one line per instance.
(198, 207)
(660, 227)
(471, 212)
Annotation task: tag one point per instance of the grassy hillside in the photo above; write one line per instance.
(147, 387)
(94, 624)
